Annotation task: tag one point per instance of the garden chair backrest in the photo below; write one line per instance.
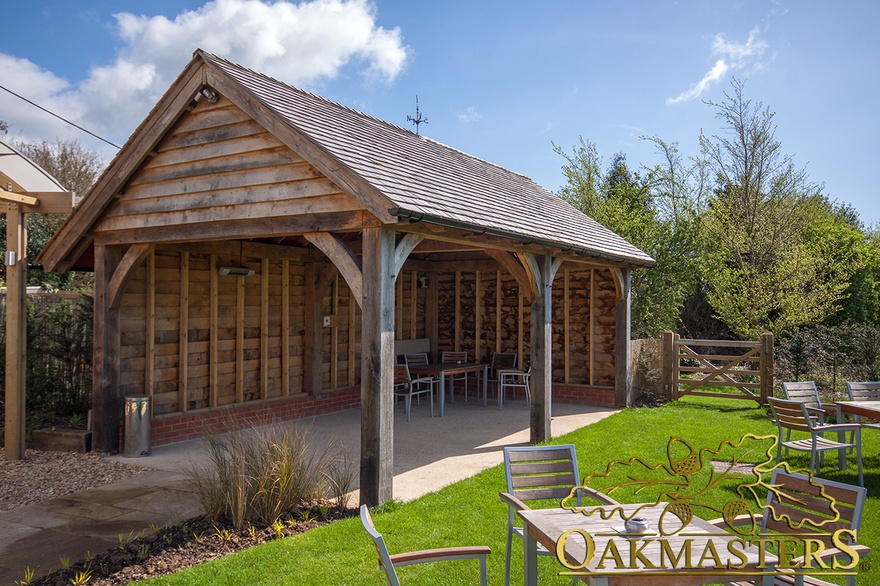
(503, 361)
(417, 359)
(379, 542)
(864, 391)
(805, 392)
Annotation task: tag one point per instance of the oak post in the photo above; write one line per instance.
(106, 404)
(16, 332)
(543, 269)
(666, 360)
(622, 330)
(377, 367)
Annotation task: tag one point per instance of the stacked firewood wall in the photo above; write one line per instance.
(583, 318)
(169, 347)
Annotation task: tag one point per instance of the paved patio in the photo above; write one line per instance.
(428, 455)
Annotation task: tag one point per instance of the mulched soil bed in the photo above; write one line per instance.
(177, 547)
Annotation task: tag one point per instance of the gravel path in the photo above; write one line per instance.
(45, 475)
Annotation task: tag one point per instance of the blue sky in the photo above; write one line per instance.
(500, 80)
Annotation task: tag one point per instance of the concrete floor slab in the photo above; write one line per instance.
(429, 453)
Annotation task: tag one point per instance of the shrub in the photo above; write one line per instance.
(255, 475)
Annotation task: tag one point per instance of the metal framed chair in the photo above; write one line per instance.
(452, 357)
(536, 473)
(389, 562)
(513, 380)
(407, 387)
(864, 391)
(500, 361)
(800, 499)
(794, 416)
(807, 393)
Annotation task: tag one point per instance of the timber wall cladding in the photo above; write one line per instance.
(167, 322)
(583, 321)
(217, 164)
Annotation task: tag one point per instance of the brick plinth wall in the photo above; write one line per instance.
(167, 429)
(562, 393)
(583, 395)
(177, 427)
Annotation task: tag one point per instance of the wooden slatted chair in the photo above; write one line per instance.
(407, 387)
(793, 416)
(389, 562)
(800, 499)
(865, 391)
(453, 357)
(537, 473)
(807, 393)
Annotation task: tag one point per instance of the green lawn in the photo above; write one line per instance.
(469, 512)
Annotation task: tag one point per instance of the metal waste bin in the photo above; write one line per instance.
(137, 427)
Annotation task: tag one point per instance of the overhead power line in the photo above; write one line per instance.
(59, 117)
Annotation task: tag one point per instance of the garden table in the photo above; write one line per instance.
(442, 369)
(869, 409)
(547, 526)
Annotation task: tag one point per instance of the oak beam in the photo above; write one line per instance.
(220, 230)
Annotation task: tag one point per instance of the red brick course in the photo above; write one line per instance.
(177, 427)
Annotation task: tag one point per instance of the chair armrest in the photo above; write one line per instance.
(423, 379)
(441, 554)
(837, 427)
(738, 520)
(514, 502)
(597, 496)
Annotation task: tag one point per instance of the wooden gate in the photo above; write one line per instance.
(747, 368)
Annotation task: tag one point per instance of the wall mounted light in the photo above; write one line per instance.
(236, 271)
(10, 258)
(211, 95)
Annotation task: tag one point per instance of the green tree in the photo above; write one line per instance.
(764, 265)
(76, 167)
(652, 213)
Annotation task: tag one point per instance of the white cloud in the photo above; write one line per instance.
(300, 43)
(732, 56)
(470, 115)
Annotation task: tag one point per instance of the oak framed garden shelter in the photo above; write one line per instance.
(346, 233)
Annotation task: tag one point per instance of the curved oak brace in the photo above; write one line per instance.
(538, 280)
(509, 263)
(343, 258)
(134, 256)
(619, 279)
(404, 247)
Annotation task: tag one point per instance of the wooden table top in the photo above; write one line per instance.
(639, 553)
(869, 409)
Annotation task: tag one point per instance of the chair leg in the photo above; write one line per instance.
(408, 405)
(507, 558)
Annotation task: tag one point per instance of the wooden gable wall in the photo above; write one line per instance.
(218, 165)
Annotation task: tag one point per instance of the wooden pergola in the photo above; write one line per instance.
(257, 247)
(25, 188)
